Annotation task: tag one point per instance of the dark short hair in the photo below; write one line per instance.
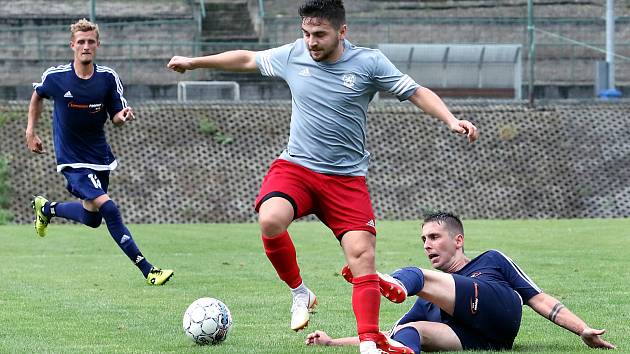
(331, 10)
(452, 221)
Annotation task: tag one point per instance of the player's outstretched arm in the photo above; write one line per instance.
(125, 115)
(33, 142)
(552, 309)
(322, 338)
(233, 60)
(429, 102)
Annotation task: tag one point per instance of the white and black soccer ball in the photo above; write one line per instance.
(207, 321)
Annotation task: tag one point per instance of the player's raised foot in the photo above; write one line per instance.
(383, 344)
(41, 221)
(304, 303)
(390, 287)
(159, 276)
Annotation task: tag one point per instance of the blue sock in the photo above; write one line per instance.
(122, 236)
(410, 337)
(412, 278)
(74, 211)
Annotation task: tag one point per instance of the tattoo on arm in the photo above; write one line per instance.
(554, 312)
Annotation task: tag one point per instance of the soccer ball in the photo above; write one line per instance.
(207, 321)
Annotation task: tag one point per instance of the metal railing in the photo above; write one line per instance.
(572, 55)
(40, 47)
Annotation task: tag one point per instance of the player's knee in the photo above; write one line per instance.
(364, 257)
(92, 219)
(270, 225)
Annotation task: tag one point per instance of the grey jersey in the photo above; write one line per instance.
(330, 101)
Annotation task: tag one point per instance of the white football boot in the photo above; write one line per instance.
(304, 303)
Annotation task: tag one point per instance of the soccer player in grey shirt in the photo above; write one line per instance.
(322, 170)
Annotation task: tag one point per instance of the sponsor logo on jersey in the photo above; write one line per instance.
(304, 72)
(68, 94)
(348, 80)
(475, 274)
(91, 107)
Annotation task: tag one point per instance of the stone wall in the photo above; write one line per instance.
(204, 163)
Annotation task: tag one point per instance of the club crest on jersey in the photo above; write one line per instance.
(348, 80)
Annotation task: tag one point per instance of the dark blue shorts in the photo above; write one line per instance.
(487, 316)
(85, 183)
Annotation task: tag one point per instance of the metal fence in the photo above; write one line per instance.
(136, 43)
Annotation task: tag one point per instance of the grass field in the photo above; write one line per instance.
(75, 292)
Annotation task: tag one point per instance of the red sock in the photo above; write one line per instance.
(366, 303)
(281, 253)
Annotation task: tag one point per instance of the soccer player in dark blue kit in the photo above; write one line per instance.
(85, 95)
(471, 304)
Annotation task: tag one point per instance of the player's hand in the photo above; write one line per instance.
(180, 64)
(127, 115)
(123, 116)
(318, 338)
(465, 127)
(592, 338)
(34, 143)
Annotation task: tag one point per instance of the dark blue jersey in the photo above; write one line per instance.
(495, 267)
(81, 108)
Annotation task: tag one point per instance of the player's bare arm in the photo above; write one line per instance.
(322, 338)
(552, 309)
(429, 102)
(33, 142)
(233, 60)
(123, 116)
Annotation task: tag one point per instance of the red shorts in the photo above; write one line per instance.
(341, 202)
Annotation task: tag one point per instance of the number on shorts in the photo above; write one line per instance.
(95, 181)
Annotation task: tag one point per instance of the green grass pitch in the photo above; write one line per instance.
(75, 292)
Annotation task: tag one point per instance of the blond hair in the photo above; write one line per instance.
(83, 25)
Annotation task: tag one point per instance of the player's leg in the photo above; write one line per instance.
(83, 184)
(439, 288)
(78, 184)
(99, 202)
(123, 238)
(73, 211)
(274, 217)
(359, 248)
(427, 336)
(284, 191)
(436, 287)
(345, 206)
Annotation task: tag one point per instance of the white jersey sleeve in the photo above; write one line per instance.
(388, 78)
(273, 62)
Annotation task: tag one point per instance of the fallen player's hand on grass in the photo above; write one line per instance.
(592, 338)
(318, 338)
